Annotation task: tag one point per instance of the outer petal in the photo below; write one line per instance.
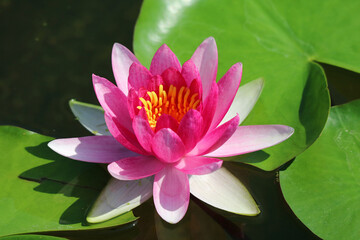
(99, 149)
(130, 141)
(206, 60)
(245, 100)
(139, 76)
(190, 129)
(122, 59)
(119, 197)
(143, 132)
(163, 59)
(216, 138)
(223, 190)
(90, 116)
(228, 86)
(135, 167)
(168, 146)
(171, 194)
(190, 72)
(198, 165)
(113, 101)
(252, 138)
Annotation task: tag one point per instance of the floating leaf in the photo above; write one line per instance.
(322, 185)
(42, 191)
(277, 40)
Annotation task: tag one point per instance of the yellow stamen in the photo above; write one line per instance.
(173, 102)
(187, 96)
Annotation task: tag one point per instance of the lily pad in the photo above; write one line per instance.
(43, 191)
(322, 185)
(278, 40)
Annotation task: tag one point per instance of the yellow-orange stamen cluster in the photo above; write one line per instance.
(174, 103)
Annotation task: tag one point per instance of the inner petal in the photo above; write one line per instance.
(174, 102)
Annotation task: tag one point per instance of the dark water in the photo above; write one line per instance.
(48, 51)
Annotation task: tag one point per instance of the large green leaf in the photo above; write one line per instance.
(42, 191)
(278, 40)
(322, 185)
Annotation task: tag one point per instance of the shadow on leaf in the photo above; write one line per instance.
(69, 178)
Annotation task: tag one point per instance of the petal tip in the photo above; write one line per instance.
(291, 131)
(94, 219)
(253, 212)
(239, 65)
(115, 45)
(95, 78)
(210, 39)
(112, 170)
(164, 46)
(52, 144)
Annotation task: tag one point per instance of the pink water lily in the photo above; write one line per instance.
(170, 124)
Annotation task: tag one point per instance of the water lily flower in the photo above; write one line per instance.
(169, 126)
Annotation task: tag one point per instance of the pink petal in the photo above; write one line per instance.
(209, 108)
(252, 138)
(190, 72)
(228, 86)
(98, 149)
(198, 165)
(154, 83)
(122, 59)
(216, 138)
(205, 59)
(113, 101)
(171, 76)
(133, 102)
(163, 59)
(139, 76)
(195, 87)
(166, 121)
(130, 142)
(168, 146)
(190, 129)
(171, 194)
(133, 168)
(143, 132)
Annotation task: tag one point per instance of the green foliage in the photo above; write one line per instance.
(43, 191)
(322, 185)
(277, 40)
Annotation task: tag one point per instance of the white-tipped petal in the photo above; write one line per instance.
(245, 100)
(119, 197)
(90, 116)
(223, 190)
(121, 59)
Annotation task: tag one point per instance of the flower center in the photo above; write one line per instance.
(174, 103)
